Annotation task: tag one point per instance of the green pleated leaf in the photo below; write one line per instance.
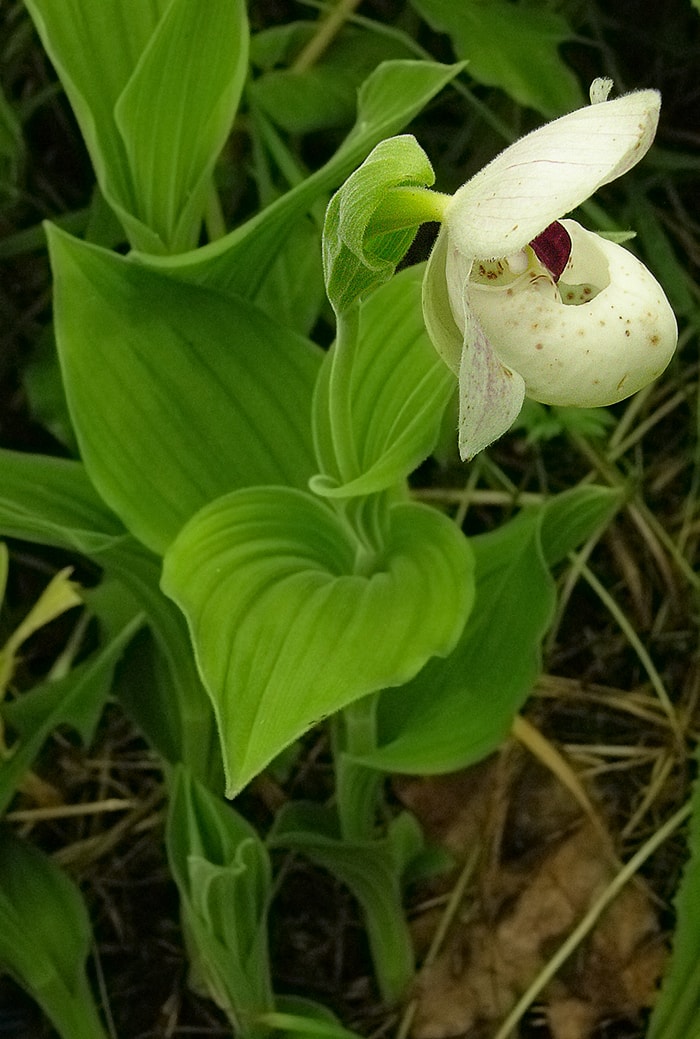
(177, 394)
(74, 700)
(398, 391)
(177, 109)
(571, 517)
(12, 151)
(154, 87)
(324, 95)
(222, 870)
(95, 49)
(293, 292)
(676, 1014)
(159, 683)
(514, 46)
(373, 870)
(388, 99)
(51, 501)
(45, 938)
(460, 708)
(285, 630)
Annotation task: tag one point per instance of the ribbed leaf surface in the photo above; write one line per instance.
(177, 394)
(286, 632)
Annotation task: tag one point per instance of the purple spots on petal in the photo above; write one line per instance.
(553, 248)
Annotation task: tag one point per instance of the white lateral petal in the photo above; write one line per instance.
(549, 172)
(490, 394)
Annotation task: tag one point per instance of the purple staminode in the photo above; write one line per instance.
(552, 248)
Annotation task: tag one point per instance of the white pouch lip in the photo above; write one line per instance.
(591, 353)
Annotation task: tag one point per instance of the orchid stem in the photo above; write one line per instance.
(357, 785)
(327, 30)
(340, 396)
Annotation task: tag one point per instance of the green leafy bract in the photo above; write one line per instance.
(355, 260)
(284, 606)
(177, 394)
(397, 391)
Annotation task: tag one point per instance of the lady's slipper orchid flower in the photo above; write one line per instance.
(521, 303)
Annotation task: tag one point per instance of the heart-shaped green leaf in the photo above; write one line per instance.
(291, 620)
(177, 394)
(461, 708)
